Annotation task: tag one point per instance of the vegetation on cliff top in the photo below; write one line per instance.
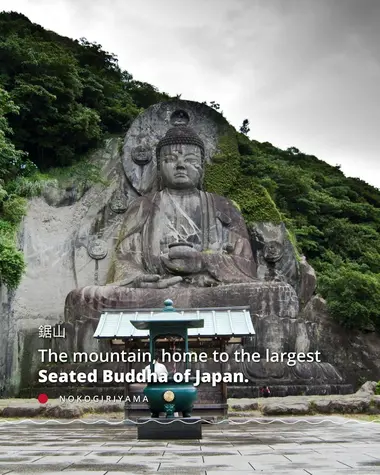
(60, 97)
(69, 93)
(336, 221)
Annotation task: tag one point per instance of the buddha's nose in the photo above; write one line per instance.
(181, 162)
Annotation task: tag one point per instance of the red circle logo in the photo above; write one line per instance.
(43, 398)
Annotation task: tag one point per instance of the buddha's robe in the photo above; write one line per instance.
(210, 222)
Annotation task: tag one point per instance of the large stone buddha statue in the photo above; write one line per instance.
(182, 235)
(183, 238)
(176, 240)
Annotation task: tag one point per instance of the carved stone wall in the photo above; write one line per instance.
(56, 236)
(278, 260)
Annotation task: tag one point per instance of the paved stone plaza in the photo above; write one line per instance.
(332, 447)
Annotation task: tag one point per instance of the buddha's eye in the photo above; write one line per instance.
(192, 159)
(169, 159)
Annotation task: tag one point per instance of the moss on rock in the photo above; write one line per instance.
(255, 203)
(225, 177)
(221, 175)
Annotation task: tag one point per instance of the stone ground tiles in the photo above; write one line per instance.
(332, 447)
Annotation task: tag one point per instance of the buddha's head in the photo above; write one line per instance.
(180, 157)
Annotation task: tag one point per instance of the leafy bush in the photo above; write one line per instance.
(30, 186)
(12, 263)
(353, 296)
(14, 209)
(12, 161)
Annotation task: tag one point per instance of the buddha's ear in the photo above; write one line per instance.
(201, 180)
(159, 181)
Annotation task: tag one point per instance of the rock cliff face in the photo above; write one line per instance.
(68, 237)
(55, 237)
(355, 354)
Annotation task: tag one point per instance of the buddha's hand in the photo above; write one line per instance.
(183, 260)
(155, 281)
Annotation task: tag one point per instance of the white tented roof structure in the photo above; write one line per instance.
(218, 322)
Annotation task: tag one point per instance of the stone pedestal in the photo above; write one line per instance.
(169, 429)
(263, 298)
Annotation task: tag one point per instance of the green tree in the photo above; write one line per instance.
(69, 93)
(12, 208)
(244, 129)
(353, 297)
(11, 159)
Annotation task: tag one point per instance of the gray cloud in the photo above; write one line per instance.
(304, 72)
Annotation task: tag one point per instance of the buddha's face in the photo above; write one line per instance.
(181, 166)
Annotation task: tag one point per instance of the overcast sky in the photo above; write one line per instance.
(306, 73)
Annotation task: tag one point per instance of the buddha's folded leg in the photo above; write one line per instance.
(263, 298)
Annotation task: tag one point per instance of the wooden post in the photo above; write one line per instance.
(222, 370)
(126, 385)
